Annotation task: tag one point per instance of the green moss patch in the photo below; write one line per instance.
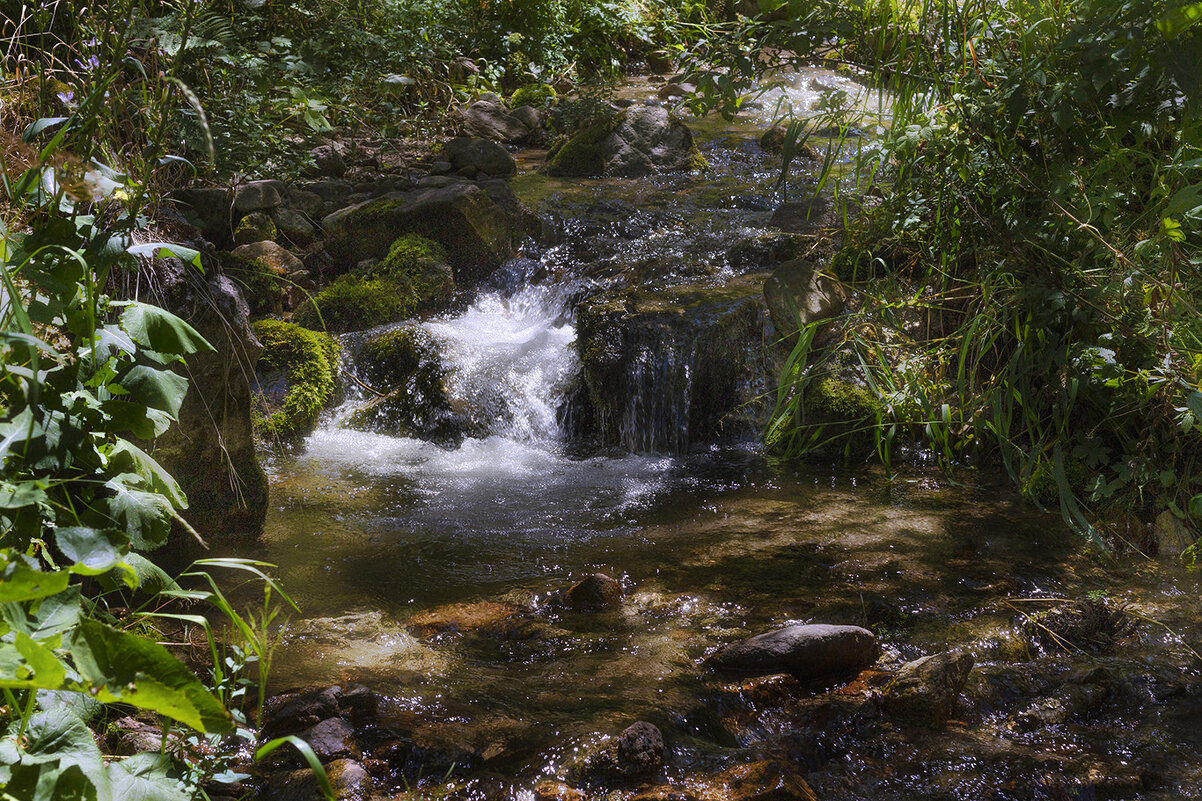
(308, 362)
(535, 94)
(413, 277)
(581, 155)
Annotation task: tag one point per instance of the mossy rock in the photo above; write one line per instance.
(848, 412)
(265, 289)
(254, 227)
(637, 141)
(297, 377)
(412, 277)
(583, 154)
(400, 355)
(535, 94)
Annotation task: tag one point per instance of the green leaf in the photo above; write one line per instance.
(144, 777)
(167, 250)
(125, 457)
(145, 516)
(1194, 404)
(37, 126)
(1180, 19)
(156, 389)
(133, 670)
(58, 740)
(154, 328)
(93, 550)
(21, 582)
(25, 493)
(50, 672)
(1187, 200)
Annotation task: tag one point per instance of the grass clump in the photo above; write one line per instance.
(413, 277)
(309, 362)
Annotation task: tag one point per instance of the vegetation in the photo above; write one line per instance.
(308, 362)
(1029, 285)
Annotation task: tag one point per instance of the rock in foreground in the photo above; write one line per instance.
(925, 690)
(810, 651)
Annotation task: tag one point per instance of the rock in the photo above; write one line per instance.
(479, 156)
(640, 140)
(254, 227)
(773, 141)
(210, 449)
(640, 749)
(556, 791)
(660, 62)
(488, 616)
(764, 781)
(358, 703)
(595, 593)
(132, 736)
(765, 251)
(327, 162)
(676, 90)
(293, 226)
(664, 369)
(478, 233)
(527, 115)
(332, 739)
(798, 293)
(296, 379)
(292, 713)
(488, 118)
(926, 689)
(1173, 536)
(207, 208)
(809, 651)
(269, 255)
(258, 196)
(348, 779)
(465, 745)
(308, 204)
(810, 216)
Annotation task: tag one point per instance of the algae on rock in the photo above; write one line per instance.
(297, 376)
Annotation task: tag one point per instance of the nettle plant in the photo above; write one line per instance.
(82, 377)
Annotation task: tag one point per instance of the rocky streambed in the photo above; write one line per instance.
(540, 555)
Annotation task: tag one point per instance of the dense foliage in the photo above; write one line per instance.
(1029, 285)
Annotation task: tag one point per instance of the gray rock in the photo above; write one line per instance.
(640, 749)
(797, 294)
(440, 168)
(808, 216)
(527, 115)
(640, 140)
(332, 739)
(293, 226)
(292, 713)
(327, 162)
(810, 651)
(488, 118)
(258, 196)
(270, 255)
(254, 227)
(348, 779)
(926, 689)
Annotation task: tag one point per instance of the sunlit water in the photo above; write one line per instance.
(371, 530)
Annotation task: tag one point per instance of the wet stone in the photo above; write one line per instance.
(349, 780)
(292, 713)
(926, 689)
(809, 651)
(489, 616)
(640, 749)
(332, 739)
(556, 791)
(592, 594)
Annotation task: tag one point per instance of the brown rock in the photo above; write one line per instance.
(556, 791)
(271, 255)
(926, 689)
(765, 781)
(594, 593)
(812, 651)
(485, 615)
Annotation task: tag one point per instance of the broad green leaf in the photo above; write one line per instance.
(144, 516)
(152, 579)
(48, 619)
(159, 330)
(166, 250)
(50, 672)
(125, 457)
(144, 777)
(1194, 404)
(58, 740)
(24, 493)
(21, 582)
(136, 671)
(157, 389)
(93, 550)
(1180, 19)
(1187, 200)
(45, 123)
(141, 421)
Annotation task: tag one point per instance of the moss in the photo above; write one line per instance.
(535, 94)
(413, 277)
(837, 401)
(309, 360)
(581, 155)
(263, 288)
(254, 227)
(698, 162)
(1041, 486)
(391, 358)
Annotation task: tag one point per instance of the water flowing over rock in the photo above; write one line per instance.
(595, 593)
(810, 651)
(664, 369)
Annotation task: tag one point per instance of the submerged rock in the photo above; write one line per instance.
(926, 689)
(636, 753)
(549, 790)
(485, 616)
(640, 140)
(809, 651)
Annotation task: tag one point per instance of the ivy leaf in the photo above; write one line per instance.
(129, 669)
(154, 328)
(144, 777)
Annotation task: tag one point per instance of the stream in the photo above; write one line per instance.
(428, 571)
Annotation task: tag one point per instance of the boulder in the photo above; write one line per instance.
(640, 140)
(664, 369)
(327, 162)
(296, 379)
(926, 689)
(478, 156)
(810, 216)
(798, 293)
(210, 449)
(254, 227)
(478, 233)
(640, 749)
(293, 226)
(773, 141)
(595, 593)
(270, 256)
(258, 196)
(809, 651)
(488, 118)
(332, 739)
(348, 779)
